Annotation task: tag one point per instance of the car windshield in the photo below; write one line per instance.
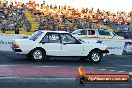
(35, 35)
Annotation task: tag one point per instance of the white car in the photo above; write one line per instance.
(43, 44)
(95, 33)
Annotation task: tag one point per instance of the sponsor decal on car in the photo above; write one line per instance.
(115, 47)
(5, 42)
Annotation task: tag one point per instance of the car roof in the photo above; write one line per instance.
(93, 29)
(53, 31)
(85, 29)
(89, 29)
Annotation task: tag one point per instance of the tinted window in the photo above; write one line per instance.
(91, 32)
(35, 35)
(83, 32)
(68, 39)
(51, 38)
(103, 32)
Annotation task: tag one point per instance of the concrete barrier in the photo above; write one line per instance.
(119, 47)
(7, 39)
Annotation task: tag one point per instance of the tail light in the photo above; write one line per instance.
(15, 46)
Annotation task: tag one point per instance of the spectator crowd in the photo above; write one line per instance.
(67, 18)
(12, 18)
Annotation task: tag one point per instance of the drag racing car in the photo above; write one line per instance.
(43, 44)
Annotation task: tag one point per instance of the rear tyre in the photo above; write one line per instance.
(95, 56)
(38, 54)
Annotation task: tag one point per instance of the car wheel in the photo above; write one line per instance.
(95, 56)
(38, 54)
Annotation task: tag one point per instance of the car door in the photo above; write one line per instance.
(70, 45)
(51, 43)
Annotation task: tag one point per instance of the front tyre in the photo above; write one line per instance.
(38, 54)
(95, 56)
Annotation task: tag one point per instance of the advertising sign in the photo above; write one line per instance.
(118, 47)
(127, 48)
(115, 46)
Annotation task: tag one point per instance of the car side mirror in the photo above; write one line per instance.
(78, 42)
(42, 42)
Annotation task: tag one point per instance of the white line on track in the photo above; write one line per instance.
(111, 70)
(121, 71)
(102, 69)
(19, 79)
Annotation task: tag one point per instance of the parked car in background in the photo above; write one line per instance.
(43, 44)
(95, 33)
(125, 34)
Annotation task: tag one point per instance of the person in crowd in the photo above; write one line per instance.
(16, 29)
(87, 18)
(3, 28)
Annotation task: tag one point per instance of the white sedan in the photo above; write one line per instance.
(43, 44)
(95, 33)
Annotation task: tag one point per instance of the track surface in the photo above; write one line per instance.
(18, 72)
